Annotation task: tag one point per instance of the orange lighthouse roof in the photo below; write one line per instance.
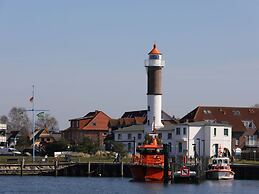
(154, 51)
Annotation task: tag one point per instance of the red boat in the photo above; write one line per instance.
(148, 164)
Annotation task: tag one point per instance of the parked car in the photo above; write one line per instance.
(9, 151)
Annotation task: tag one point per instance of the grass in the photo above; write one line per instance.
(38, 159)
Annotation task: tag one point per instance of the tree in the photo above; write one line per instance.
(88, 145)
(18, 120)
(56, 146)
(119, 148)
(256, 106)
(46, 121)
(3, 119)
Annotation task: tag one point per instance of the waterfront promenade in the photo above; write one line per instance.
(95, 167)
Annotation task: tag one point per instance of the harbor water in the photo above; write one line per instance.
(90, 185)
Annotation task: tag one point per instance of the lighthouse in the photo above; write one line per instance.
(154, 65)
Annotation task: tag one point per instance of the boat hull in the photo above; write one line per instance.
(220, 175)
(178, 178)
(147, 172)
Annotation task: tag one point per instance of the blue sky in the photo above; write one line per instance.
(88, 55)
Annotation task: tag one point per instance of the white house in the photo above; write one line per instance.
(130, 136)
(207, 138)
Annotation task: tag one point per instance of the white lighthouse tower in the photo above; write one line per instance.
(154, 65)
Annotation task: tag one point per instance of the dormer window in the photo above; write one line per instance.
(236, 112)
(207, 111)
(249, 124)
(210, 121)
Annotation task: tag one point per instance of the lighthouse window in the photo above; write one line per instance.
(154, 57)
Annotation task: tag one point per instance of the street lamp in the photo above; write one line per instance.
(203, 155)
(134, 147)
(203, 141)
(194, 150)
(199, 148)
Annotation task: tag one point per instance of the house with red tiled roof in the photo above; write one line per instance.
(93, 125)
(244, 122)
(138, 117)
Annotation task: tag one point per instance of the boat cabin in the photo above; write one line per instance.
(149, 151)
(220, 161)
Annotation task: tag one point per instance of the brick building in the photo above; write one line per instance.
(93, 125)
(244, 122)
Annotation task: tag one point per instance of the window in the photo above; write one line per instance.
(206, 111)
(210, 121)
(251, 140)
(75, 123)
(129, 136)
(180, 147)
(153, 56)
(148, 122)
(139, 136)
(225, 132)
(148, 108)
(178, 131)
(249, 124)
(119, 136)
(169, 136)
(170, 146)
(236, 112)
(215, 131)
(184, 131)
(129, 147)
(160, 135)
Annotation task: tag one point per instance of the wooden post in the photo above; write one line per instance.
(122, 173)
(89, 168)
(56, 167)
(22, 164)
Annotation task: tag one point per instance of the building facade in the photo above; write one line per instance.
(93, 125)
(207, 139)
(244, 122)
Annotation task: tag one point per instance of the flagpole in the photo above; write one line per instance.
(33, 110)
(33, 125)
